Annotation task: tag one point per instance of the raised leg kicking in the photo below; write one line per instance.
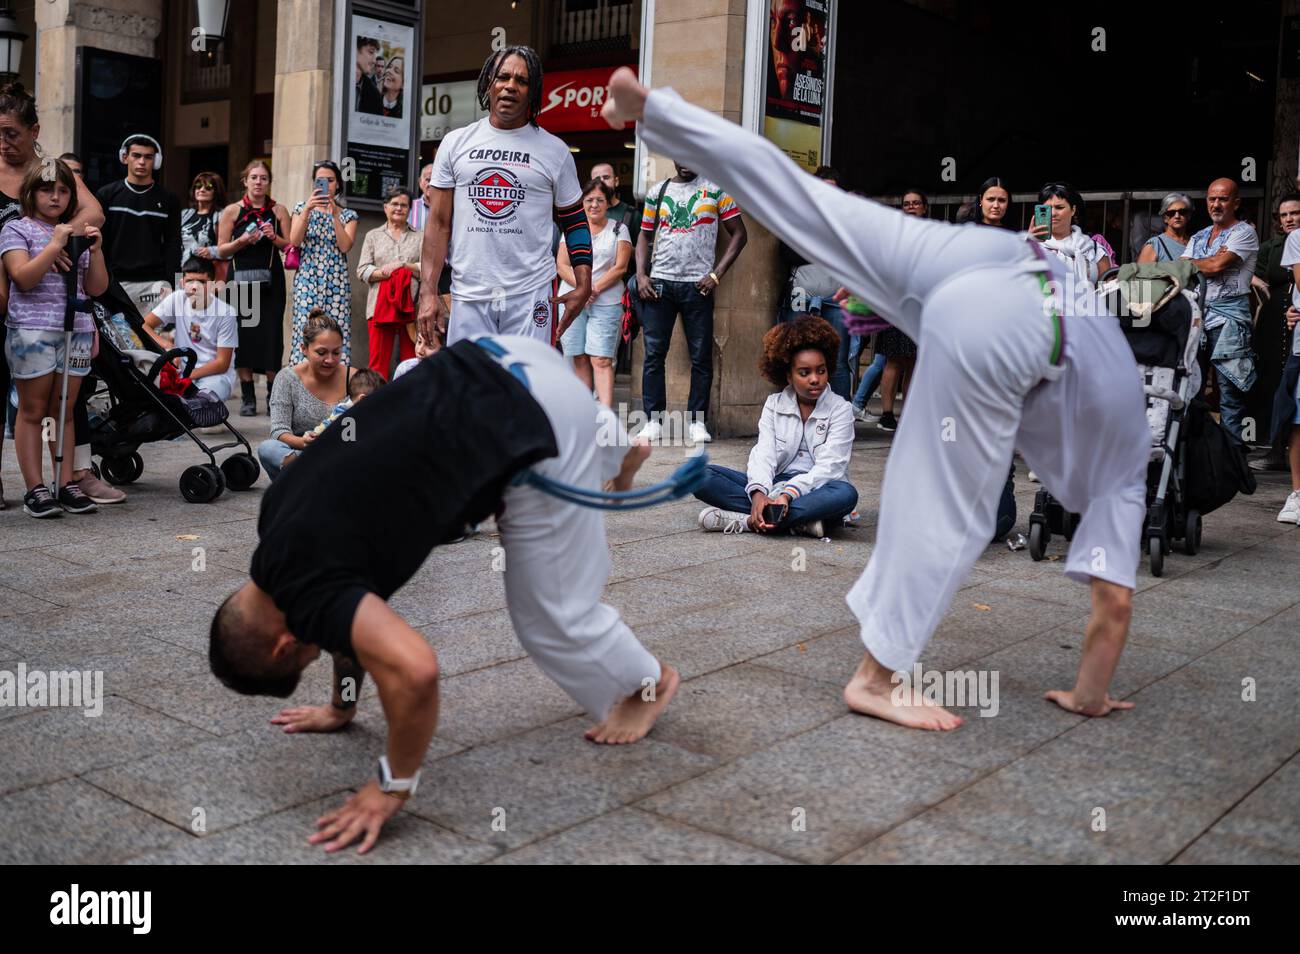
(996, 371)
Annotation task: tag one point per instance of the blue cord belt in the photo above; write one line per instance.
(683, 481)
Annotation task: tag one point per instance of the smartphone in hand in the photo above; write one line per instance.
(774, 513)
(323, 186)
(1043, 218)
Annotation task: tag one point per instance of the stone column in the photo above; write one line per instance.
(123, 26)
(304, 103)
(699, 50)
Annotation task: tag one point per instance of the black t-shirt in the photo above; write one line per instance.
(428, 453)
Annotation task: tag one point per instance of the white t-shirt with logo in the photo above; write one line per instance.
(216, 326)
(507, 185)
(1290, 258)
(604, 256)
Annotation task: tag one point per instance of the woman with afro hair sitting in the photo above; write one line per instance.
(796, 480)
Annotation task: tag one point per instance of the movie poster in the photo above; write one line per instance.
(798, 41)
(382, 107)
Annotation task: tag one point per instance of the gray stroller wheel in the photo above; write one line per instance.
(202, 483)
(1156, 550)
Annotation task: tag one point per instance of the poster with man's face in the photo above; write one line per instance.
(796, 77)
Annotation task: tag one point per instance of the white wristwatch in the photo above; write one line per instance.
(396, 786)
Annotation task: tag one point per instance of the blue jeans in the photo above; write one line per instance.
(272, 453)
(658, 316)
(1232, 400)
(870, 380)
(830, 503)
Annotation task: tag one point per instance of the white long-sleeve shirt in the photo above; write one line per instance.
(827, 434)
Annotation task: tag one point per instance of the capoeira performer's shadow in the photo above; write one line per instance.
(1001, 366)
(356, 516)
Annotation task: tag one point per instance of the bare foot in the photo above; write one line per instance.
(870, 694)
(626, 100)
(632, 718)
(1067, 700)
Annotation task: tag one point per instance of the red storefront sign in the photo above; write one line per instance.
(571, 99)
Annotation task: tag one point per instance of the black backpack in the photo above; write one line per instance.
(1216, 466)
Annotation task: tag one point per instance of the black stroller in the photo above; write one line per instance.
(1165, 344)
(128, 366)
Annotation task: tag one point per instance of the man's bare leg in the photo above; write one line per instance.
(633, 717)
(871, 692)
(1103, 641)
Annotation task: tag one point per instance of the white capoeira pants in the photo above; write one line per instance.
(556, 555)
(985, 382)
(529, 314)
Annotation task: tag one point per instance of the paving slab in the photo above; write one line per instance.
(814, 797)
(631, 837)
(281, 839)
(90, 827)
(544, 781)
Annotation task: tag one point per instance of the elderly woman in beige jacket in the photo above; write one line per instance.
(387, 250)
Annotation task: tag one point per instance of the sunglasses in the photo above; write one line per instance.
(204, 185)
(1172, 212)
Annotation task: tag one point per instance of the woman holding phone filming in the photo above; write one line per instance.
(1063, 238)
(797, 477)
(324, 232)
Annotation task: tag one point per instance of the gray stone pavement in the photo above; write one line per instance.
(757, 741)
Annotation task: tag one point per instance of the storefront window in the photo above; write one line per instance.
(593, 26)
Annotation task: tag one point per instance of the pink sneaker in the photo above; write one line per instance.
(97, 490)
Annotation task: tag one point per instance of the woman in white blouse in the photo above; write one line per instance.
(591, 338)
(797, 476)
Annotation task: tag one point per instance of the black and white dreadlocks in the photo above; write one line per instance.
(532, 62)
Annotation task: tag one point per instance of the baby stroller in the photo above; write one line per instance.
(1165, 335)
(129, 366)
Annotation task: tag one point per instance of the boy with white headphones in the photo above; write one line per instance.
(142, 228)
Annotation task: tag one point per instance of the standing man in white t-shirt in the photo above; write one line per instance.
(203, 322)
(496, 185)
(1224, 253)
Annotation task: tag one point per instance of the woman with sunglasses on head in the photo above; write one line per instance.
(252, 233)
(199, 219)
(1176, 210)
(324, 232)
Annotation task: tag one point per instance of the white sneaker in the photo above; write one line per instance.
(1033, 478)
(813, 528)
(652, 431)
(699, 433)
(714, 519)
(865, 416)
(1291, 509)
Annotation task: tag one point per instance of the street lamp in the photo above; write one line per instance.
(11, 44)
(212, 16)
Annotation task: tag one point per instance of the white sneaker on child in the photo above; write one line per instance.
(715, 519)
(1291, 509)
(699, 433)
(651, 432)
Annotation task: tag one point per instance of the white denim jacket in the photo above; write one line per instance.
(829, 434)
